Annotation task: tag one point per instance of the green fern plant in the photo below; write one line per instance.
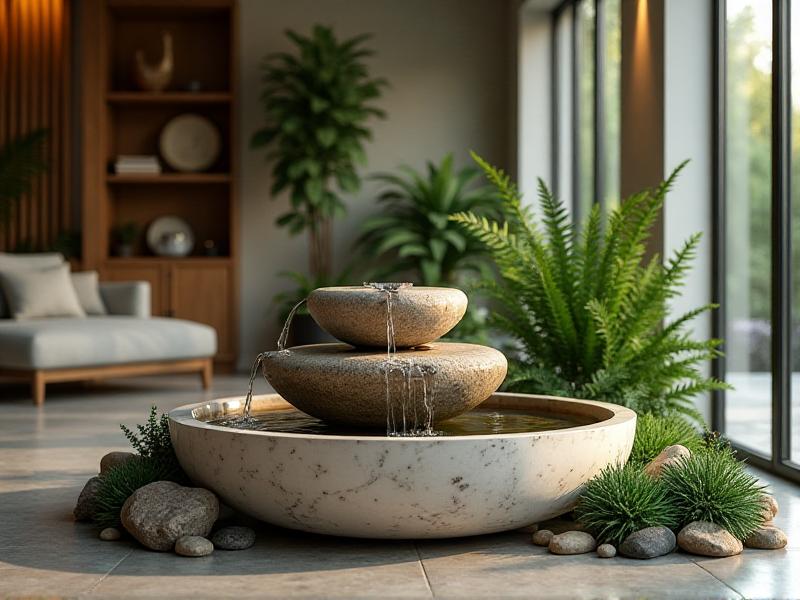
(621, 500)
(654, 433)
(714, 487)
(588, 313)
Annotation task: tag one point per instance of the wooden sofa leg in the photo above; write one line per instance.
(37, 387)
(207, 373)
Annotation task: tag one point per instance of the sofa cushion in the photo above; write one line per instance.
(87, 287)
(96, 341)
(44, 293)
(25, 262)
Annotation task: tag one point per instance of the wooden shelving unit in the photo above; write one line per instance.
(119, 118)
(170, 178)
(169, 97)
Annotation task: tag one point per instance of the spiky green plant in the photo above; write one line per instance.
(621, 500)
(413, 230)
(654, 433)
(121, 481)
(714, 487)
(589, 314)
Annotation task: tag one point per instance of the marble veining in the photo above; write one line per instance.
(412, 487)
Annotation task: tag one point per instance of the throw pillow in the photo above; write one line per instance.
(25, 262)
(87, 287)
(45, 293)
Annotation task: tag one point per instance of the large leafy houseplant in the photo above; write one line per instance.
(413, 232)
(316, 104)
(588, 312)
(21, 160)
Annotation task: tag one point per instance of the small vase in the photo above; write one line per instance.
(155, 78)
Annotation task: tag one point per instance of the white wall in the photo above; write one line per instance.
(451, 77)
(687, 135)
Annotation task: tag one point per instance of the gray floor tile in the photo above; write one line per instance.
(509, 566)
(47, 454)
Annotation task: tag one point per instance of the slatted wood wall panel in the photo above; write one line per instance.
(34, 93)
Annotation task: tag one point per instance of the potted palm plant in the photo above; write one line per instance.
(413, 236)
(317, 102)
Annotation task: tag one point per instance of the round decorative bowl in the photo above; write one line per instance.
(412, 488)
(357, 314)
(337, 383)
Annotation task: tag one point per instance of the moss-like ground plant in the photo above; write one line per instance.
(654, 433)
(714, 487)
(621, 500)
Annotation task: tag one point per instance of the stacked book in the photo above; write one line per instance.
(130, 164)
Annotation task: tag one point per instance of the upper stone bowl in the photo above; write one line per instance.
(357, 314)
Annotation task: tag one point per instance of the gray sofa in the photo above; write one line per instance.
(125, 342)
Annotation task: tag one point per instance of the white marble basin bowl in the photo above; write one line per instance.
(357, 314)
(337, 383)
(379, 487)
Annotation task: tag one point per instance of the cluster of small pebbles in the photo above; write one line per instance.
(166, 516)
(561, 536)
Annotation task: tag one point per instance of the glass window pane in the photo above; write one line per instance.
(748, 182)
(612, 101)
(585, 64)
(795, 187)
(565, 118)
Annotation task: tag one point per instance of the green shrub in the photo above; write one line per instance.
(588, 310)
(654, 433)
(716, 442)
(714, 487)
(621, 500)
(156, 461)
(153, 440)
(120, 482)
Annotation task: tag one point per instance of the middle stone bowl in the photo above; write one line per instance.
(357, 314)
(337, 383)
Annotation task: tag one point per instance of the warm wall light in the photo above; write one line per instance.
(34, 93)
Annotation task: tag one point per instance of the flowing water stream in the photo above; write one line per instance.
(408, 413)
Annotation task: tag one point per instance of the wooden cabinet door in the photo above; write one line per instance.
(202, 293)
(154, 274)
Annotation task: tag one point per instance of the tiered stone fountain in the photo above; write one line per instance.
(390, 443)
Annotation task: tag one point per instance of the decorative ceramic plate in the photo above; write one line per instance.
(170, 236)
(190, 143)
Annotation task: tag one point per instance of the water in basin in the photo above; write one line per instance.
(479, 421)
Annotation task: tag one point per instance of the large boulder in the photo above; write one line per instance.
(707, 539)
(86, 505)
(160, 513)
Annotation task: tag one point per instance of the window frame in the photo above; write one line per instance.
(598, 104)
(779, 461)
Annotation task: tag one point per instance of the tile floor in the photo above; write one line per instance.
(47, 454)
